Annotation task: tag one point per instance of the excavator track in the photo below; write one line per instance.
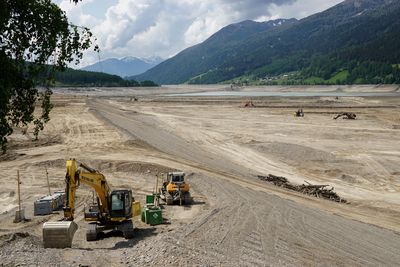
(127, 229)
(91, 232)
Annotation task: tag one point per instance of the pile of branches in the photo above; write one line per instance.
(346, 115)
(320, 191)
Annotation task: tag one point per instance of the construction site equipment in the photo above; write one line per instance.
(346, 115)
(19, 216)
(48, 182)
(60, 198)
(113, 210)
(175, 189)
(59, 234)
(299, 113)
(152, 214)
(249, 104)
(136, 209)
(150, 199)
(43, 206)
(46, 205)
(20, 213)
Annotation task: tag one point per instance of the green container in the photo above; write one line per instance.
(154, 216)
(149, 199)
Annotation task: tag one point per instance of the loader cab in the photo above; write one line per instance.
(121, 204)
(176, 177)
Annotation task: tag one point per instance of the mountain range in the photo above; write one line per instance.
(356, 41)
(123, 67)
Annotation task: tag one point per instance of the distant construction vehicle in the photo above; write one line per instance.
(113, 210)
(249, 104)
(175, 189)
(299, 113)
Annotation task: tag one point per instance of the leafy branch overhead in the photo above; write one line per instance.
(36, 40)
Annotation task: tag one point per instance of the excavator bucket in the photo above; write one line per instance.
(59, 234)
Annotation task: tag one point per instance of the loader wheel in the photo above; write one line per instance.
(91, 232)
(188, 200)
(169, 200)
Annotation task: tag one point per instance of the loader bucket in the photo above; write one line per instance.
(59, 234)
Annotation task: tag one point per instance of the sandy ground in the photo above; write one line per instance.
(236, 219)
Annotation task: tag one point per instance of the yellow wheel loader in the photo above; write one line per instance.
(175, 189)
(113, 210)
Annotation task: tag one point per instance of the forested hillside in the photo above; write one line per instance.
(357, 41)
(71, 77)
(208, 55)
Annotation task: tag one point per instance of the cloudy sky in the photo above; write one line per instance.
(149, 28)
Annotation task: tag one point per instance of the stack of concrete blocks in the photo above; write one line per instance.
(43, 206)
(60, 196)
(46, 205)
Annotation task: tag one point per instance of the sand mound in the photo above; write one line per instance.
(315, 161)
(111, 166)
(128, 166)
(18, 237)
(292, 153)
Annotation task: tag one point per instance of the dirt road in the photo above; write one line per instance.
(236, 220)
(254, 228)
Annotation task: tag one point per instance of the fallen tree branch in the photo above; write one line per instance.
(320, 191)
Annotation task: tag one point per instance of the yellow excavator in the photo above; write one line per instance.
(113, 210)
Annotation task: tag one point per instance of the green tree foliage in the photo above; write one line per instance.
(35, 38)
(81, 78)
(148, 84)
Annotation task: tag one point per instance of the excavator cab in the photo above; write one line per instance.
(121, 204)
(176, 177)
(118, 218)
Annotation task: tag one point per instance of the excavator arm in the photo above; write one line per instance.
(70, 191)
(91, 178)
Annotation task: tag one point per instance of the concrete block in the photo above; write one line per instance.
(19, 216)
(42, 207)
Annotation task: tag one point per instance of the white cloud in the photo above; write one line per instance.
(76, 13)
(147, 28)
(298, 9)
